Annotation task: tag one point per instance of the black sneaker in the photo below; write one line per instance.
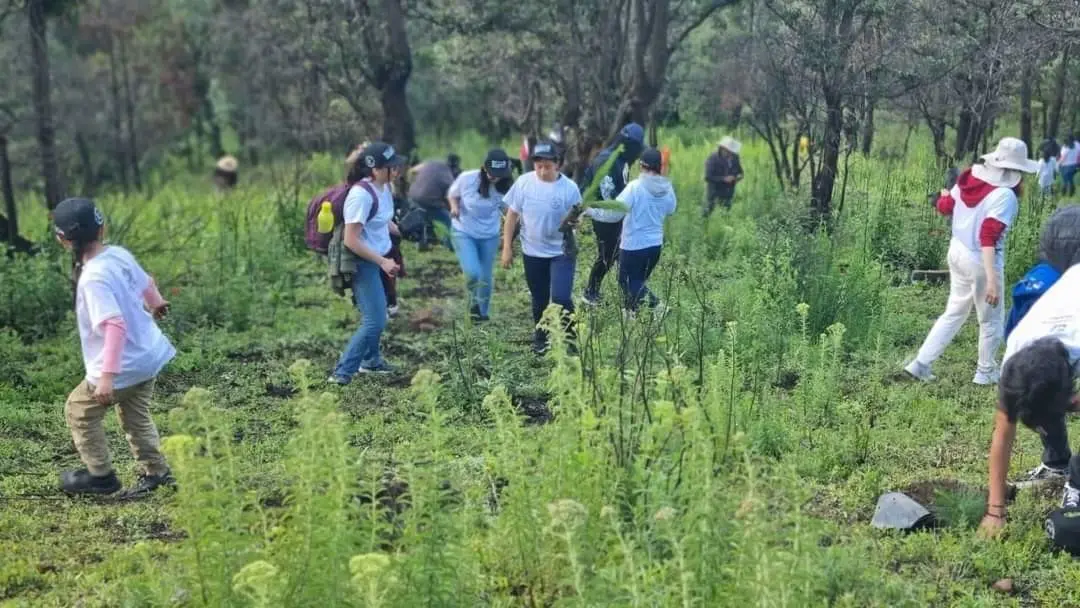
(475, 316)
(540, 344)
(82, 482)
(1039, 475)
(146, 484)
(1070, 497)
(380, 368)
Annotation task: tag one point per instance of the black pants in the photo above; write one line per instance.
(551, 281)
(634, 270)
(711, 200)
(607, 253)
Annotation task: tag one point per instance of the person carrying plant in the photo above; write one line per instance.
(476, 203)
(541, 200)
(123, 351)
(1036, 389)
(366, 235)
(608, 224)
(983, 205)
(722, 171)
(649, 200)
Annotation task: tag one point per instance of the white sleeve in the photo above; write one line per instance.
(1002, 207)
(572, 192)
(626, 197)
(455, 188)
(101, 304)
(513, 199)
(357, 206)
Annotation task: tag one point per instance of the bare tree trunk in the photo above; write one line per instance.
(129, 113)
(86, 164)
(868, 128)
(1060, 77)
(1025, 107)
(46, 133)
(12, 232)
(822, 189)
(399, 128)
(120, 155)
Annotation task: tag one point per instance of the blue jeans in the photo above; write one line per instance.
(1068, 177)
(634, 270)
(551, 280)
(477, 258)
(363, 348)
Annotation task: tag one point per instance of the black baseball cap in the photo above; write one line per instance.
(497, 163)
(379, 155)
(545, 150)
(77, 219)
(652, 160)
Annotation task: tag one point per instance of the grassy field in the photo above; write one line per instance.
(729, 453)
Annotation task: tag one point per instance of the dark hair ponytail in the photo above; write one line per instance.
(78, 250)
(485, 184)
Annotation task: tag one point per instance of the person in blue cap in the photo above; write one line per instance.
(608, 224)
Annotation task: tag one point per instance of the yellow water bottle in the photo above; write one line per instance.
(326, 218)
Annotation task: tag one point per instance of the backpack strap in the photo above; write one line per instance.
(366, 185)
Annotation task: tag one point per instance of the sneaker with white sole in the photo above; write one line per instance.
(919, 371)
(338, 380)
(987, 378)
(381, 368)
(1039, 475)
(1070, 497)
(392, 311)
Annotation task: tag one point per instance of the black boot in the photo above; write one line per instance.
(82, 482)
(147, 484)
(540, 342)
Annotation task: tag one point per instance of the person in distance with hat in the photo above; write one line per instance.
(983, 205)
(722, 172)
(367, 236)
(476, 203)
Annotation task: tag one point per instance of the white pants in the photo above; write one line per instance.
(967, 287)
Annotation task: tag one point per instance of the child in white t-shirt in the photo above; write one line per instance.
(1047, 172)
(123, 350)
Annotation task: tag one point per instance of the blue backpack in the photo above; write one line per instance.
(1028, 290)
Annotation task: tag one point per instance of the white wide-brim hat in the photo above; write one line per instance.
(1011, 153)
(227, 164)
(996, 176)
(731, 144)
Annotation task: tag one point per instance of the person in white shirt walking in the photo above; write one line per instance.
(1068, 163)
(541, 200)
(649, 200)
(983, 205)
(1047, 172)
(476, 203)
(123, 350)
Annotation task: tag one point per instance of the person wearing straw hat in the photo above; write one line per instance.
(983, 205)
(225, 173)
(722, 172)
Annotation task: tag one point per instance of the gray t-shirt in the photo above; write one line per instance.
(431, 182)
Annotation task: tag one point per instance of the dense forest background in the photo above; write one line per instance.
(113, 94)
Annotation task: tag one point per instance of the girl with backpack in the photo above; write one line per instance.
(983, 205)
(123, 351)
(476, 202)
(649, 200)
(368, 213)
(541, 200)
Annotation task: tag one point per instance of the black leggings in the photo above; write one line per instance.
(607, 253)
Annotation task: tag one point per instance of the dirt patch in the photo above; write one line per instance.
(427, 319)
(246, 356)
(535, 409)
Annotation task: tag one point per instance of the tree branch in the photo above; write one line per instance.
(697, 21)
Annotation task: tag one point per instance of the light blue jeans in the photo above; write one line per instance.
(477, 258)
(363, 348)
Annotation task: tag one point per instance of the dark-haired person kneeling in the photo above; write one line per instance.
(1036, 389)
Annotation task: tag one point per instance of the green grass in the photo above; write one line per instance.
(730, 453)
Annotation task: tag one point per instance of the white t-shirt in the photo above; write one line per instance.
(111, 286)
(1000, 204)
(1070, 155)
(542, 206)
(649, 199)
(480, 217)
(376, 233)
(1056, 314)
(1046, 172)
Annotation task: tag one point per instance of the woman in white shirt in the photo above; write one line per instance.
(476, 202)
(1068, 162)
(541, 200)
(1047, 172)
(368, 221)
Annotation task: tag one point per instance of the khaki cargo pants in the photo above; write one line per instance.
(85, 418)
